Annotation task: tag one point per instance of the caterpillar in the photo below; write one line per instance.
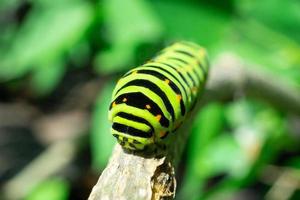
(152, 100)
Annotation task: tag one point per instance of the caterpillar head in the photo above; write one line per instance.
(130, 126)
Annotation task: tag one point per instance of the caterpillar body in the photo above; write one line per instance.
(151, 101)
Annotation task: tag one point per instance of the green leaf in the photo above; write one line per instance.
(187, 21)
(203, 131)
(282, 16)
(50, 189)
(80, 55)
(263, 47)
(46, 77)
(239, 113)
(45, 35)
(102, 141)
(294, 162)
(222, 155)
(129, 23)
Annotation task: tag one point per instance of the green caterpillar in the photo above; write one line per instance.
(152, 100)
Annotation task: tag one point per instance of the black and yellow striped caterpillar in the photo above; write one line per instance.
(152, 100)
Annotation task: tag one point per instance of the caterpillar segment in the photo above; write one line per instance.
(151, 101)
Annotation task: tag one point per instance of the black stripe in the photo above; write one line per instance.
(179, 59)
(202, 69)
(184, 63)
(181, 76)
(171, 84)
(195, 72)
(130, 130)
(185, 53)
(134, 118)
(182, 107)
(198, 63)
(153, 87)
(139, 100)
(207, 63)
(150, 65)
(161, 77)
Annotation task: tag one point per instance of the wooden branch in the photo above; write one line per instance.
(134, 177)
(230, 77)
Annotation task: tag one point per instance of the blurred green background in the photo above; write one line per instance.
(59, 61)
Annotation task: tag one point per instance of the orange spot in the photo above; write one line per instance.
(162, 133)
(158, 117)
(114, 104)
(148, 106)
(179, 97)
(167, 81)
(124, 100)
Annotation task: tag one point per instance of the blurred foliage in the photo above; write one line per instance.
(48, 32)
(43, 43)
(54, 188)
(125, 33)
(101, 144)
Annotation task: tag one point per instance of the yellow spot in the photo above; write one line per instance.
(167, 81)
(162, 133)
(148, 106)
(179, 97)
(124, 100)
(114, 104)
(134, 72)
(158, 117)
